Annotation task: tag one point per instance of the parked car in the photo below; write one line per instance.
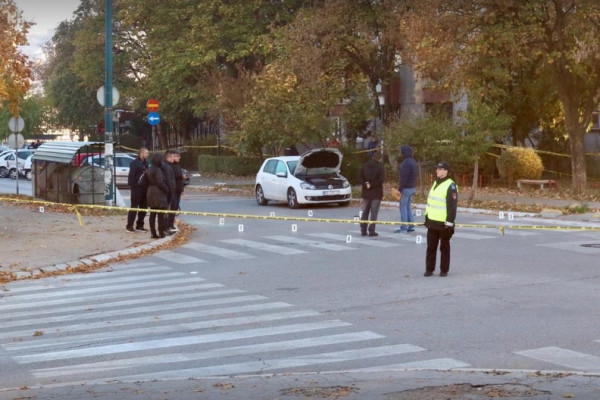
(8, 161)
(26, 170)
(122, 162)
(312, 178)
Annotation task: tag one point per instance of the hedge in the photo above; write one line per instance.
(231, 165)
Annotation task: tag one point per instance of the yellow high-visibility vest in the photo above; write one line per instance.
(436, 201)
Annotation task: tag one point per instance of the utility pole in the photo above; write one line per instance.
(109, 193)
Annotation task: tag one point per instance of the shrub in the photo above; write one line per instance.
(519, 163)
(231, 165)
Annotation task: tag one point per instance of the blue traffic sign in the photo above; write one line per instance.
(153, 118)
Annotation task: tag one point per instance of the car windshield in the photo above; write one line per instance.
(292, 166)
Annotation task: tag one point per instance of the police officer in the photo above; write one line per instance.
(439, 219)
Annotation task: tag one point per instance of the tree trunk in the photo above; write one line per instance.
(578, 167)
(475, 179)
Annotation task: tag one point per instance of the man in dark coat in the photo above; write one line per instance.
(371, 178)
(170, 180)
(138, 188)
(407, 186)
(175, 157)
(158, 191)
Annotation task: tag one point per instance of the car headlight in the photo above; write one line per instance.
(306, 185)
(346, 184)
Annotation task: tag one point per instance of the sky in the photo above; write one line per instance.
(46, 14)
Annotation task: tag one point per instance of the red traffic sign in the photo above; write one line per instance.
(152, 105)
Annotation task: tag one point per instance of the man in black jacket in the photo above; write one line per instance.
(175, 157)
(167, 167)
(371, 178)
(137, 168)
(407, 183)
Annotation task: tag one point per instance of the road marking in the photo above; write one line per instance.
(564, 357)
(286, 345)
(355, 239)
(179, 341)
(178, 258)
(218, 251)
(282, 363)
(311, 243)
(437, 364)
(263, 246)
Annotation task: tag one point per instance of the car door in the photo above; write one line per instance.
(279, 182)
(122, 163)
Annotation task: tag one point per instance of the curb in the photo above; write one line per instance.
(91, 260)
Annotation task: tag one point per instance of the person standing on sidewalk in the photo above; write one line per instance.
(158, 192)
(139, 187)
(371, 178)
(407, 183)
(175, 157)
(440, 214)
(167, 167)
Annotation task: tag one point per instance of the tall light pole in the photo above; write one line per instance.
(108, 106)
(381, 101)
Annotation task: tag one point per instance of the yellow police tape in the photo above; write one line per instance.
(501, 228)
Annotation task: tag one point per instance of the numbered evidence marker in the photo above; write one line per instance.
(418, 213)
(419, 239)
(221, 221)
(511, 216)
(241, 228)
(310, 213)
(349, 239)
(294, 228)
(356, 219)
(501, 215)
(41, 209)
(272, 214)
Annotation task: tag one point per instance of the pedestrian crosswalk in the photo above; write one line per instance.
(144, 322)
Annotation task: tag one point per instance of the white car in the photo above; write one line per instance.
(312, 178)
(122, 162)
(26, 169)
(8, 163)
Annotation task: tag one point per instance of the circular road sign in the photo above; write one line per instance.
(100, 96)
(16, 140)
(153, 118)
(16, 124)
(152, 105)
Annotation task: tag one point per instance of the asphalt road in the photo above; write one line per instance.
(249, 296)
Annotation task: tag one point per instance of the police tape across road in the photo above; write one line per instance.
(502, 228)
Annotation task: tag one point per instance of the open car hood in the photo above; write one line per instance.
(325, 160)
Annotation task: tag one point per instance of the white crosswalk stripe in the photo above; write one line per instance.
(355, 239)
(104, 326)
(178, 258)
(218, 251)
(564, 357)
(311, 243)
(264, 246)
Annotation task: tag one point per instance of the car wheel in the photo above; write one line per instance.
(260, 196)
(292, 199)
(344, 204)
(12, 173)
(3, 172)
(28, 174)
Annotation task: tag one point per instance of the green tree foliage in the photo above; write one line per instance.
(15, 68)
(519, 163)
(484, 43)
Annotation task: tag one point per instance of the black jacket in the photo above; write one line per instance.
(374, 173)
(158, 190)
(451, 206)
(136, 169)
(407, 170)
(170, 177)
(178, 177)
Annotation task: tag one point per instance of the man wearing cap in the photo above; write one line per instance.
(440, 214)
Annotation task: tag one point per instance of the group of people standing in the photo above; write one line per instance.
(157, 185)
(440, 212)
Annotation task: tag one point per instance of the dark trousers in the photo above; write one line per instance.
(435, 237)
(162, 223)
(138, 200)
(370, 209)
(174, 207)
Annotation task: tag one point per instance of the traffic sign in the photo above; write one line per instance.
(153, 118)
(16, 140)
(100, 96)
(16, 124)
(152, 105)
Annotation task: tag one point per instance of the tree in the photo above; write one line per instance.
(15, 68)
(480, 43)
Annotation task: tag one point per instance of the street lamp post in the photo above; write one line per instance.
(381, 101)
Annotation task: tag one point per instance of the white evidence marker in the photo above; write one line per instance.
(360, 214)
(419, 239)
(221, 221)
(294, 228)
(349, 239)
(240, 228)
(272, 214)
(511, 216)
(418, 213)
(41, 209)
(356, 219)
(501, 215)
(310, 213)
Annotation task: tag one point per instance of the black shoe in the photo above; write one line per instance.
(428, 274)
(155, 237)
(373, 234)
(142, 229)
(130, 230)
(443, 274)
